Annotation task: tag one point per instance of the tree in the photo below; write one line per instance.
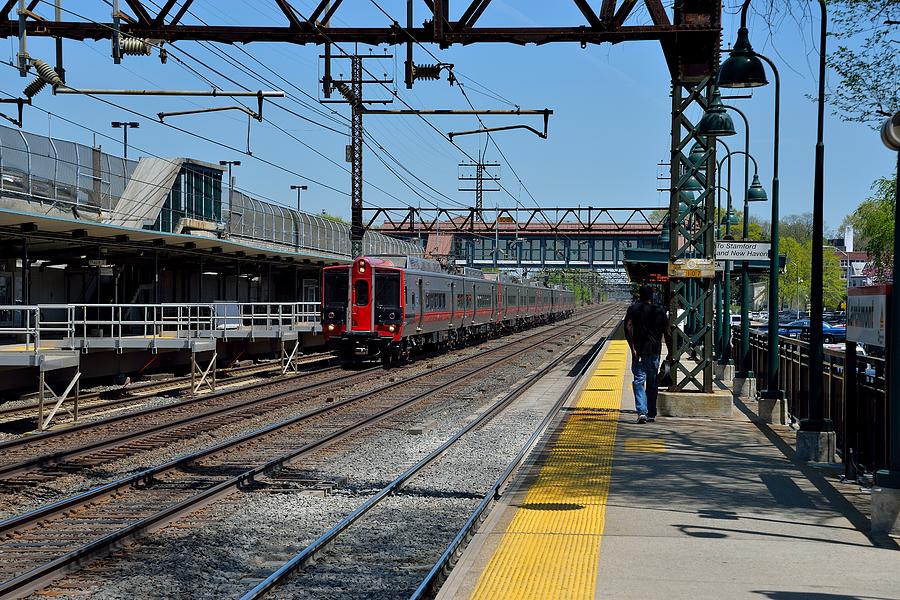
(863, 51)
(798, 227)
(874, 220)
(866, 59)
(794, 288)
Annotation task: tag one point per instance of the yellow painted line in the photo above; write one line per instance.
(645, 445)
(551, 548)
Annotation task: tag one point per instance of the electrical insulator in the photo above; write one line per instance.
(430, 72)
(346, 92)
(45, 75)
(135, 46)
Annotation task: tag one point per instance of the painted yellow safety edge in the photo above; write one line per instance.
(551, 548)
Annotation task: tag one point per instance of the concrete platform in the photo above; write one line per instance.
(695, 508)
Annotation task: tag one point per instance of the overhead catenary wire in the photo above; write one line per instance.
(208, 81)
(281, 167)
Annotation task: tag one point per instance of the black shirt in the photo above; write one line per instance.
(649, 323)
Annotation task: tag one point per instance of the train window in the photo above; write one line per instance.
(362, 292)
(387, 289)
(435, 300)
(336, 288)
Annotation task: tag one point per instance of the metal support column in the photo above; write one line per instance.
(691, 236)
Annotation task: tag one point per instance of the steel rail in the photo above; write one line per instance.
(30, 580)
(21, 442)
(426, 589)
(49, 460)
(305, 555)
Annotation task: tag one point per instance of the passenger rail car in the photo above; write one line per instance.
(385, 307)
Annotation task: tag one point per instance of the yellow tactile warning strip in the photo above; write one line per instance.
(552, 545)
(645, 445)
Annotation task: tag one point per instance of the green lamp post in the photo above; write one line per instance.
(744, 69)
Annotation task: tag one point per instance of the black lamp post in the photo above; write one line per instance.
(300, 189)
(890, 477)
(125, 126)
(229, 164)
(744, 69)
(717, 123)
(815, 420)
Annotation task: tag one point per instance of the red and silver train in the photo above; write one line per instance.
(385, 307)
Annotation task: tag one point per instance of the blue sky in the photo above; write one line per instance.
(609, 130)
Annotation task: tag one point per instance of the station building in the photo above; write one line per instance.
(150, 257)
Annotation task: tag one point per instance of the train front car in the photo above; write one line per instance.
(368, 292)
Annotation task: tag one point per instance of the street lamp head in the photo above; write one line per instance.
(134, 124)
(664, 236)
(234, 163)
(116, 124)
(730, 218)
(299, 187)
(743, 68)
(756, 193)
(692, 184)
(890, 132)
(698, 152)
(716, 121)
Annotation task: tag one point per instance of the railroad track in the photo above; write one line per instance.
(119, 399)
(43, 544)
(303, 558)
(40, 458)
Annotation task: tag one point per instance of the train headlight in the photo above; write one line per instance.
(361, 266)
(330, 327)
(391, 328)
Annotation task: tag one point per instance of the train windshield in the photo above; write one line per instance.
(336, 287)
(387, 289)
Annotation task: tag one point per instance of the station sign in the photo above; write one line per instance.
(692, 268)
(867, 309)
(731, 250)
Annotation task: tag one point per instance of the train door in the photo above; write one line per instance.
(453, 302)
(421, 300)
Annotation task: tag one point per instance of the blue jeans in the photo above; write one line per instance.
(644, 370)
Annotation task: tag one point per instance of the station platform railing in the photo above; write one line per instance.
(853, 384)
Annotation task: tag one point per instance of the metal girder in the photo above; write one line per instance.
(696, 33)
(139, 11)
(569, 220)
(691, 236)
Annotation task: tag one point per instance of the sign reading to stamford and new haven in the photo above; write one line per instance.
(730, 250)
(867, 314)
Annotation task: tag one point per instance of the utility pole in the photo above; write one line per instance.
(483, 173)
(353, 95)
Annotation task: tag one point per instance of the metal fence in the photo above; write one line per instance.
(72, 326)
(261, 221)
(47, 170)
(854, 389)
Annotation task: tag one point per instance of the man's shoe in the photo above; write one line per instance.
(642, 419)
(651, 419)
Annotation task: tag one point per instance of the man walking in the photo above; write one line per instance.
(645, 326)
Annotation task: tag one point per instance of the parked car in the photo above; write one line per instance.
(800, 329)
